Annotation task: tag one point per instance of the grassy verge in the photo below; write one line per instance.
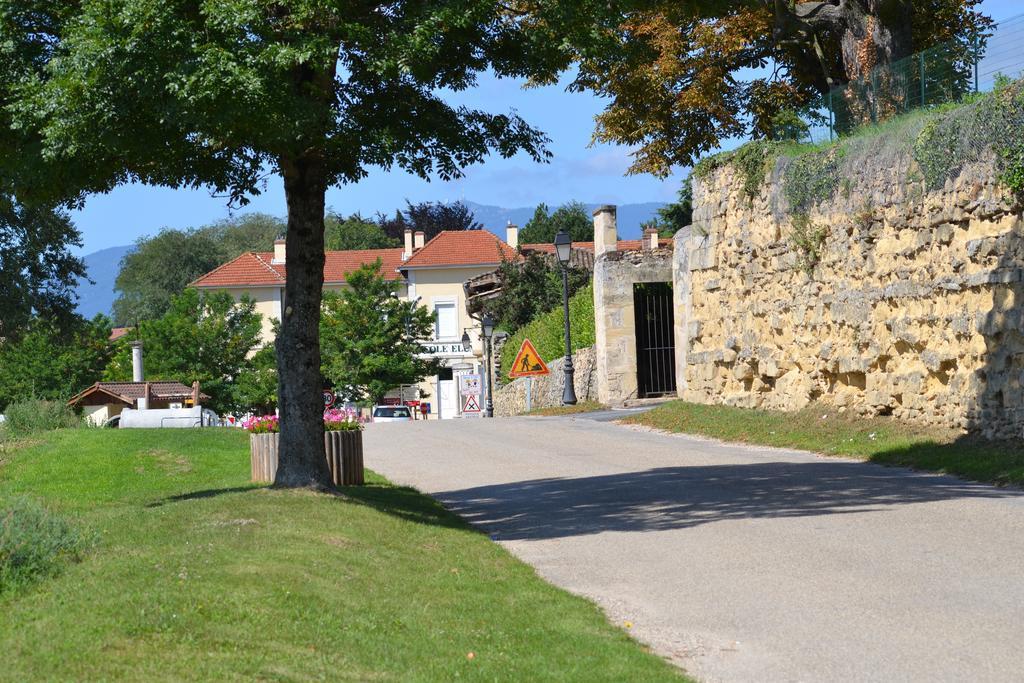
(196, 574)
(881, 440)
(581, 407)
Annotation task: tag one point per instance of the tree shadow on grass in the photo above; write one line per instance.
(971, 457)
(205, 493)
(403, 502)
(684, 497)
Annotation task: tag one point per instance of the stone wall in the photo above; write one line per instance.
(615, 273)
(914, 308)
(510, 399)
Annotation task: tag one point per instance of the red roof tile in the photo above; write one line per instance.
(461, 248)
(118, 332)
(254, 269)
(129, 392)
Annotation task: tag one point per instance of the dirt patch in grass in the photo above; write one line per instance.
(823, 430)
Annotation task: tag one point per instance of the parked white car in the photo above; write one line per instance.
(392, 414)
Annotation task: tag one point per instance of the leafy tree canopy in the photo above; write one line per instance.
(162, 266)
(371, 340)
(53, 362)
(205, 337)
(572, 217)
(530, 288)
(38, 273)
(429, 217)
(97, 93)
(355, 232)
(682, 77)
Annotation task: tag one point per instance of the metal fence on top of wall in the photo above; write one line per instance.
(945, 73)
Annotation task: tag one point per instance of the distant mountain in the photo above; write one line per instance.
(630, 217)
(102, 268)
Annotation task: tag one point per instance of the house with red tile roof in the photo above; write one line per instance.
(430, 273)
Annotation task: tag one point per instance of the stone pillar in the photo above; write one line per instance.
(682, 303)
(606, 235)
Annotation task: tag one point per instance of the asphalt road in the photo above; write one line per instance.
(740, 563)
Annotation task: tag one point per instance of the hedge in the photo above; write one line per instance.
(546, 332)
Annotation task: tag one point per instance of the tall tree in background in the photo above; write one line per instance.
(430, 218)
(572, 217)
(54, 362)
(97, 93)
(372, 339)
(681, 76)
(355, 232)
(530, 288)
(38, 273)
(162, 266)
(204, 337)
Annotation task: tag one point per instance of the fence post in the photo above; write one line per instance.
(977, 59)
(924, 92)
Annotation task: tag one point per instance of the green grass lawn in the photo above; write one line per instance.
(823, 430)
(198, 574)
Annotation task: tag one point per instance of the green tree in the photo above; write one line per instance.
(203, 337)
(96, 93)
(674, 217)
(162, 266)
(679, 78)
(430, 218)
(572, 217)
(53, 362)
(530, 288)
(38, 273)
(256, 385)
(355, 232)
(372, 339)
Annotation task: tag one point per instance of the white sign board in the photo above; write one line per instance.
(470, 384)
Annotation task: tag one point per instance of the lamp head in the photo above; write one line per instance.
(488, 324)
(563, 246)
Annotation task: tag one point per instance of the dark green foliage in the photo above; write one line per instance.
(675, 216)
(34, 543)
(572, 217)
(530, 288)
(371, 339)
(962, 135)
(355, 232)
(812, 178)
(204, 337)
(430, 218)
(35, 415)
(547, 331)
(256, 385)
(46, 362)
(38, 274)
(162, 266)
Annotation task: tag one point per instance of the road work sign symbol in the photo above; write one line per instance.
(472, 404)
(528, 362)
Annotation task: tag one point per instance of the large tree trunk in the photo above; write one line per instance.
(302, 461)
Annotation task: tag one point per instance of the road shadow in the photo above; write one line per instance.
(683, 497)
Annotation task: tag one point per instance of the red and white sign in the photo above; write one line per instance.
(472, 404)
(328, 398)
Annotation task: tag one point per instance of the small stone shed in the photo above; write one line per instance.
(104, 400)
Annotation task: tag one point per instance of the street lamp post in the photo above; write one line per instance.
(488, 329)
(563, 250)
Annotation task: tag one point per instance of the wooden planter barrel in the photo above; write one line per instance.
(344, 452)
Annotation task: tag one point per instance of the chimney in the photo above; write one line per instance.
(138, 374)
(143, 401)
(408, 244)
(606, 236)
(512, 235)
(279, 252)
(418, 239)
(195, 393)
(650, 238)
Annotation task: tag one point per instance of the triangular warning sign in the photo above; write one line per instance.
(528, 362)
(472, 406)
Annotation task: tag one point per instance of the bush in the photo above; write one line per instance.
(25, 417)
(546, 332)
(34, 543)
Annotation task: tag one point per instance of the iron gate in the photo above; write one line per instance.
(655, 339)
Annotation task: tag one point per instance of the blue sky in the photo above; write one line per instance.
(578, 171)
